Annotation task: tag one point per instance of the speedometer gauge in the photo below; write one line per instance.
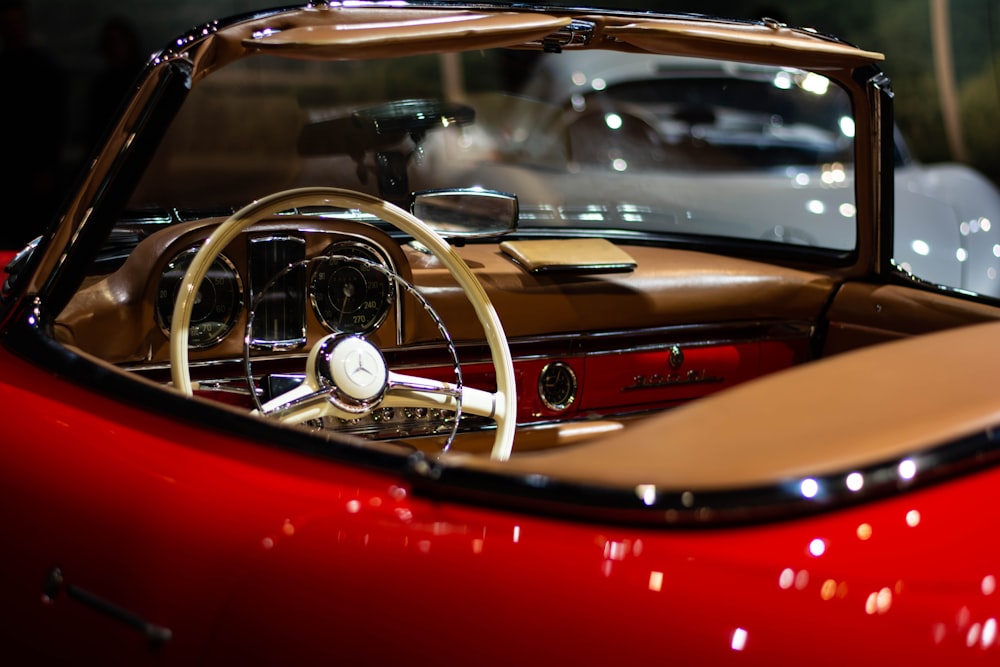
(216, 306)
(348, 290)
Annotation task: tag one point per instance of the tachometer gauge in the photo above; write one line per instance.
(217, 304)
(349, 293)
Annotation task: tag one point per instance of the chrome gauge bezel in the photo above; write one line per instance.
(557, 371)
(222, 273)
(351, 256)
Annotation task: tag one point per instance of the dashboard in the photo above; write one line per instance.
(587, 348)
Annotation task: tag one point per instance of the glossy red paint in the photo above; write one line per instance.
(250, 554)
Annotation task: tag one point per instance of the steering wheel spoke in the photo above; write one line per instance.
(411, 391)
(298, 405)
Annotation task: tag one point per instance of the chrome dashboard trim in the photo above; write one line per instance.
(295, 341)
(572, 344)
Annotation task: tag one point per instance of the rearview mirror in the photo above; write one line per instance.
(467, 213)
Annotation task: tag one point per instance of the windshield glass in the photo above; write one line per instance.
(593, 140)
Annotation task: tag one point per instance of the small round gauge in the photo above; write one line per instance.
(350, 295)
(557, 385)
(217, 304)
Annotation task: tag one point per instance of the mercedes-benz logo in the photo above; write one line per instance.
(358, 371)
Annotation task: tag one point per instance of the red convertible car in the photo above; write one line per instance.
(352, 347)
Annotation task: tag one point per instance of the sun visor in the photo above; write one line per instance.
(767, 44)
(435, 34)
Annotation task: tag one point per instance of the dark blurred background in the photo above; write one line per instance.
(943, 57)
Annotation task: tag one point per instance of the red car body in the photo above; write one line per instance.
(225, 542)
(141, 526)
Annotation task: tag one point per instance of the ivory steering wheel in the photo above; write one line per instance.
(347, 375)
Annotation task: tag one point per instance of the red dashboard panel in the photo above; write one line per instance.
(572, 380)
(632, 381)
(662, 377)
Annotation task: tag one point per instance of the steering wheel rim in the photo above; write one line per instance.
(504, 408)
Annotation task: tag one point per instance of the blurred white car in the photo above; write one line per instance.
(673, 114)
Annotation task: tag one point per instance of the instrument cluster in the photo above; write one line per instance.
(346, 288)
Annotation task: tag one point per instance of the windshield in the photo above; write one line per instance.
(590, 140)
